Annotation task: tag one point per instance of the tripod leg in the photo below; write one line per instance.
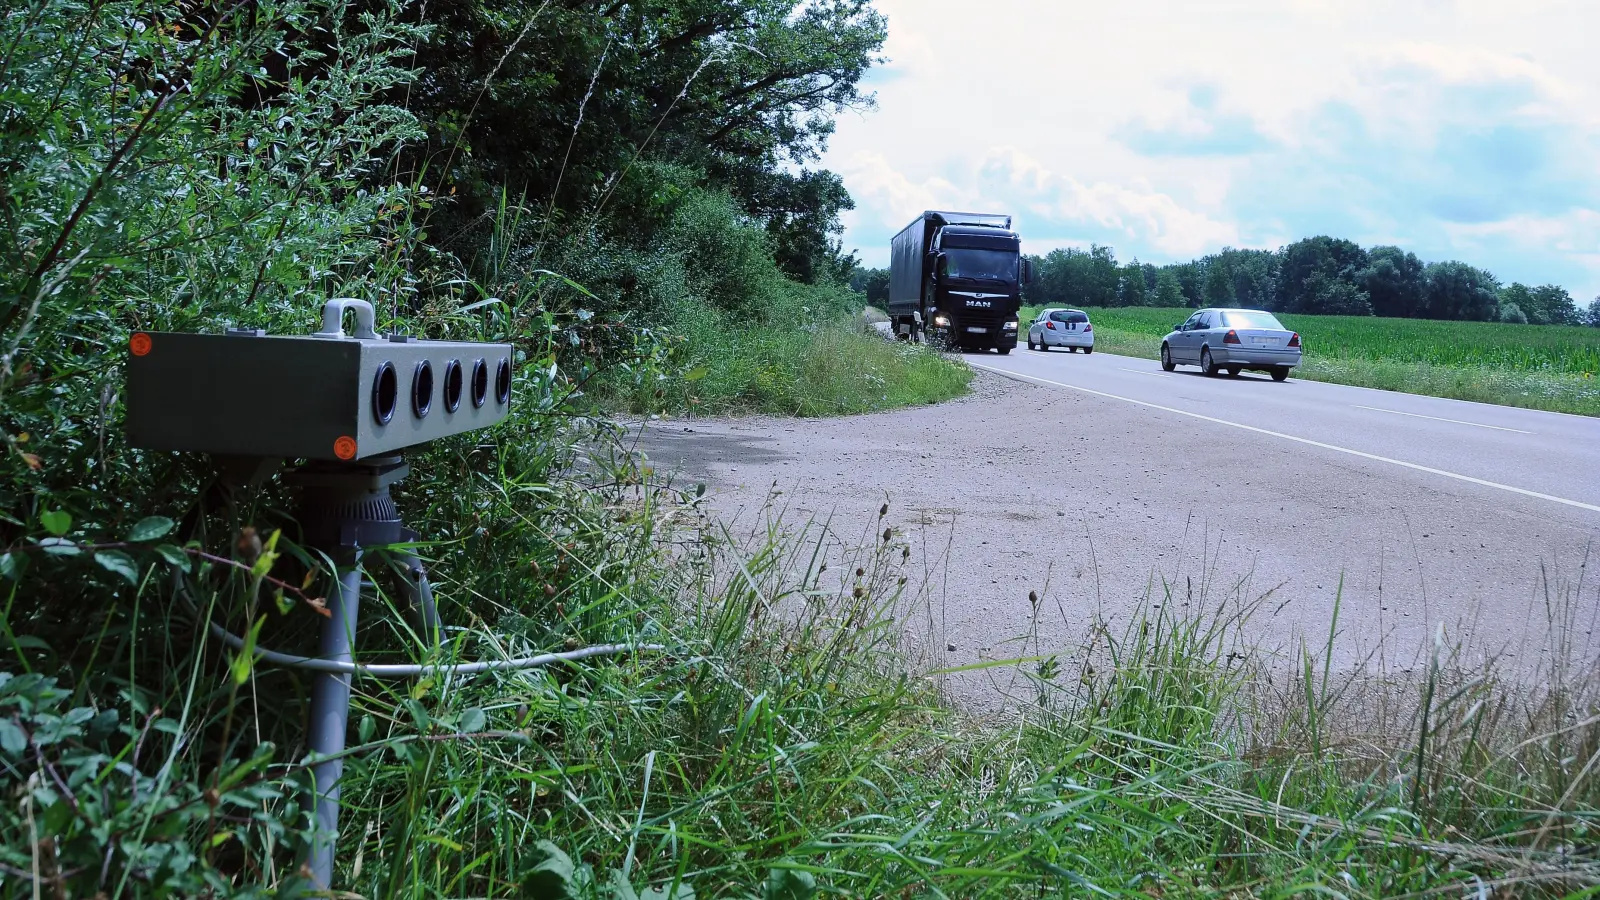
(330, 715)
(416, 585)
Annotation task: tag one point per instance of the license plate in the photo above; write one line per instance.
(1264, 342)
(976, 330)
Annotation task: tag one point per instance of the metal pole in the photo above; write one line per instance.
(422, 598)
(330, 716)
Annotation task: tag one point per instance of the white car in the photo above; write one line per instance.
(1056, 327)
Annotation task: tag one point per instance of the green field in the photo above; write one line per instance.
(1551, 367)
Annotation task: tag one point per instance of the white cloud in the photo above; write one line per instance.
(1137, 214)
(885, 195)
(1169, 129)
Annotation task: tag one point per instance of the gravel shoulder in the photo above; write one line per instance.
(1095, 507)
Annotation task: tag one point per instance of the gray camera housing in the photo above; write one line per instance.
(327, 396)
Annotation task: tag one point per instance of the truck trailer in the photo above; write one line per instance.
(955, 279)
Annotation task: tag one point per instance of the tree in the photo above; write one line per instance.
(874, 283)
(1132, 287)
(1456, 290)
(559, 107)
(1517, 299)
(1592, 316)
(1550, 304)
(1169, 293)
(1219, 284)
(1394, 280)
(1310, 270)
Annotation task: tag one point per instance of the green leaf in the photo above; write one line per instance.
(553, 876)
(12, 565)
(473, 720)
(174, 557)
(683, 891)
(789, 884)
(366, 729)
(150, 528)
(246, 659)
(13, 739)
(56, 522)
(60, 547)
(419, 714)
(118, 563)
(696, 373)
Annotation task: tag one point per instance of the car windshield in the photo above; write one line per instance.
(990, 265)
(1252, 319)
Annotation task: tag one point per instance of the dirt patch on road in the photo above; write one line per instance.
(1095, 506)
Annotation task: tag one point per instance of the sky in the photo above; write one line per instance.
(1457, 129)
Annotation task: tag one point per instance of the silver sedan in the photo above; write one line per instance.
(1232, 340)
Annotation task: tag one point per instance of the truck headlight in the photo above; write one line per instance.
(940, 320)
(1011, 325)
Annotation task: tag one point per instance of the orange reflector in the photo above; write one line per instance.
(345, 447)
(139, 343)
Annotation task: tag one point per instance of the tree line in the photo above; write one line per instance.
(1318, 275)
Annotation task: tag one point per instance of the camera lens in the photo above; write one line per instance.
(502, 381)
(452, 385)
(422, 389)
(385, 391)
(480, 383)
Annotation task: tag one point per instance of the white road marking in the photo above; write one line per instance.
(1300, 440)
(1143, 372)
(1439, 419)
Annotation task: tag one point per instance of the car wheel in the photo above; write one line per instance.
(1281, 373)
(1003, 351)
(1167, 365)
(1206, 365)
(1088, 350)
(1233, 371)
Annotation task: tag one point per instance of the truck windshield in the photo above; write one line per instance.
(981, 265)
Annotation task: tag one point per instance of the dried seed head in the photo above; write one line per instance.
(248, 545)
(860, 592)
(1033, 598)
(883, 510)
(905, 552)
(860, 571)
(887, 533)
(549, 589)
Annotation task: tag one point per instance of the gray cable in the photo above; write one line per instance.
(411, 670)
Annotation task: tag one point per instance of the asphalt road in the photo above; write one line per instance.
(1090, 478)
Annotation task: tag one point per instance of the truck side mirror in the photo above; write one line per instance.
(941, 265)
(1027, 271)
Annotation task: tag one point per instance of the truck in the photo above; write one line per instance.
(955, 280)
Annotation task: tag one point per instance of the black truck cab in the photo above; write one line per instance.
(955, 279)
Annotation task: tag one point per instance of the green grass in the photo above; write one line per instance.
(1551, 367)
(825, 368)
(793, 740)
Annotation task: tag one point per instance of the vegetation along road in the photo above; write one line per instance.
(1118, 477)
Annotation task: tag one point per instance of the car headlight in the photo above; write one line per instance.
(1011, 325)
(941, 320)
